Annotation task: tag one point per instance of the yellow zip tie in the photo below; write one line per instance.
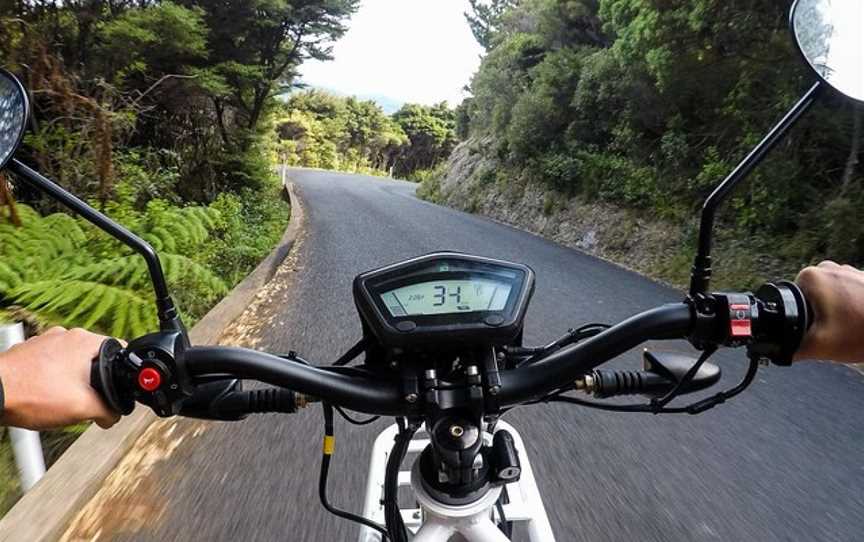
(329, 444)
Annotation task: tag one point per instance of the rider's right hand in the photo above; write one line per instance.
(836, 295)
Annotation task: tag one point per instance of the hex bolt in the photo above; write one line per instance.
(430, 374)
(411, 397)
(472, 370)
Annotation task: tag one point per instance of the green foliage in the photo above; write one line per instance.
(485, 18)
(431, 132)
(190, 83)
(256, 47)
(249, 225)
(325, 131)
(165, 35)
(67, 273)
(159, 113)
(430, 183)
(61, 270)
(650, 104)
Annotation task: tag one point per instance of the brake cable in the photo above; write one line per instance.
(348, 418)
(343, 360)
(352, 353)
(694, 408)
(392, 515)
(327, 452)
(572, 336)
(658, 404)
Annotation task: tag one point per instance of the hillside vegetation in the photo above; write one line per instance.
(161, 114)
(647, 105)
(321, 130)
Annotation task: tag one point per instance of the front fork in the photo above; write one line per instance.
(431, 519)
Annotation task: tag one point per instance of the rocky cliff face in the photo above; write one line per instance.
(624, 236)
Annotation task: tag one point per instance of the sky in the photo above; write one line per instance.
(418, 51)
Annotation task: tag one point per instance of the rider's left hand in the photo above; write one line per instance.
(46, 381)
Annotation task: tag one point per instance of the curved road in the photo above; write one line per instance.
(783, 462)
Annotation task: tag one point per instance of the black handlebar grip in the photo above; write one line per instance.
(783, 322)
(104, 373)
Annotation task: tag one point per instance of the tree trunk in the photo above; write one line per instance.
(854, 151)
(220, 119)
(8, 200)
(261, 95)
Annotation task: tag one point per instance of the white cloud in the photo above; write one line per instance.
(412, 50)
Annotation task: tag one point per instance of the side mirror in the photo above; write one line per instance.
(14, 112)
(829, 36)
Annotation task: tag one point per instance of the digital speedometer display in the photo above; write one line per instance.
(443, 302)
(447, 296)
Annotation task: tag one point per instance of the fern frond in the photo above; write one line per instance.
(9, 278)
(183, 270)
(108, 305)
(181, 230)
(131, 272)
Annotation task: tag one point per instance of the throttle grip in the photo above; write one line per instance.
(106, 378)
(785, 315)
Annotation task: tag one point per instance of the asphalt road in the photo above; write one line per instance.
(783, 462)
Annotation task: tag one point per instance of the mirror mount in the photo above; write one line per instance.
(700, 277)
(169, 320)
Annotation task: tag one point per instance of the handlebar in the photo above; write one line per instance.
(673, 321)
(363, 394)
(770, 324)
(377, 396)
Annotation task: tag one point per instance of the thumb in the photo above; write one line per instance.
(108, 421)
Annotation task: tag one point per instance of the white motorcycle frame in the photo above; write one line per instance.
(439, 522)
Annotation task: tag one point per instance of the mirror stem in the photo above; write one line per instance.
(700, 278)
(168, 318)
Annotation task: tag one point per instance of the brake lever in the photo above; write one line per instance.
(658, 404)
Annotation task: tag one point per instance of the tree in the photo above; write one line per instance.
(323, 130)
(432, 133)
(485, 18)
(255, 49)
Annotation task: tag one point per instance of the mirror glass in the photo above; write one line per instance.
(830, 34)
(13, 116)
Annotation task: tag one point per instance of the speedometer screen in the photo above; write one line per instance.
(447, 296)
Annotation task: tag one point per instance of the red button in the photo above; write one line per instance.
(741, 328)
(149, 379)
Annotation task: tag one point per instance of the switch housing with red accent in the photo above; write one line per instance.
(740, 321)
(743, 312)
(159, 380)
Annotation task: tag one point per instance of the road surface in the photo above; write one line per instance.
(783, 462)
